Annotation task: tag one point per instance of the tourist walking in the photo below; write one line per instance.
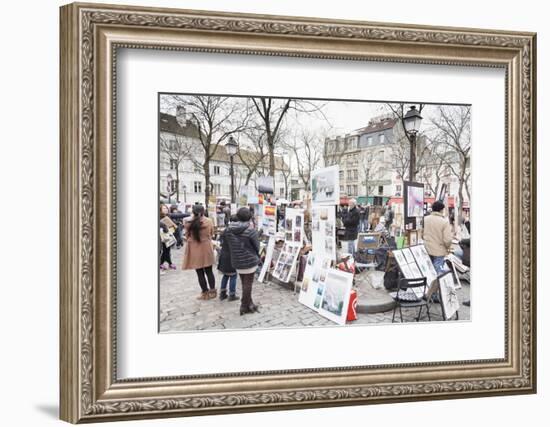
(198, 253)
(245, 255)
(226, 268)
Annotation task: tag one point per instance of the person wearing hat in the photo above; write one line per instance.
(244, 248)
(438, 236)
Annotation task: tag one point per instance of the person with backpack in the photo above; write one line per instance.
(244, 248)
(226, 268)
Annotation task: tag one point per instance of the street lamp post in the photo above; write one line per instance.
(412, 121)
(231, 147)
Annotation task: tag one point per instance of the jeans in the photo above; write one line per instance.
(203, 274)
(439, 264)
(351, 246)
(232, 283)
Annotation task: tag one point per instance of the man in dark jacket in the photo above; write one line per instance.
(351, 224)
(245, 249)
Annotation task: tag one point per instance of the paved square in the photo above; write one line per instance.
(278, 304)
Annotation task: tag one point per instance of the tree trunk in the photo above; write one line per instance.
(206, 167)
(271, 148)
(458, 219)
(178, 183)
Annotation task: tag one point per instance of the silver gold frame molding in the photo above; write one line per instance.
(90, 36)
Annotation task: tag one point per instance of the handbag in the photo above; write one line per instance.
(167, 239)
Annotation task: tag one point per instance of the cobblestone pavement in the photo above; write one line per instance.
(278, 304)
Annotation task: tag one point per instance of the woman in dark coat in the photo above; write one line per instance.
(226, 268)
(244, 248)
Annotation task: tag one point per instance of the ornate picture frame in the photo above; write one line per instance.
(90, 37)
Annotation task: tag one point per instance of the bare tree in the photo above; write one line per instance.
(272, 112)
(216, 118)
(307, 148)
(453, 130)
(432, 165)
(370, 171)
(176, 148)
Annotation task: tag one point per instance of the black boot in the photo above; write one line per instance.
(233, 297)
(223, 294)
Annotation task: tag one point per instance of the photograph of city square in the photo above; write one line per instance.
(294, 213)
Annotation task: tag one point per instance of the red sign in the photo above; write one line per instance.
(352, 308)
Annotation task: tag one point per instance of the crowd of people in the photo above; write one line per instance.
(239, 251)
(238, 243)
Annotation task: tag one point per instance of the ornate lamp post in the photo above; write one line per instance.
(411, 122)
(231, 147)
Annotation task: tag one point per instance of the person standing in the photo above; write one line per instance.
(438, 236)
(351, 225)
(198, 253)
(226, 268)
(178, 217)
(388, 217)
(244, 248)
(169, 228)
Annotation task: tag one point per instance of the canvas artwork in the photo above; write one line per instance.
(286, 262)
(325, 186)
(424, 262)
(448, 295)
(269, 220)
(415, 199)
(314, 276)
(294, 221)
(335, 299)
(324, 230)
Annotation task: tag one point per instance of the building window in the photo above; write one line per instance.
(350, 174)
(349, 189)
(382, 138)
(355, 190)
(216, 170)
(398, 188)
(341, 174)
(369, 140)
(341, 189)
(380, 190)
(197, 186)
(174, 185)
(282, 191)
(381, 156)
(197, 168)
(355, 174)
(217, 189)
(173, 164)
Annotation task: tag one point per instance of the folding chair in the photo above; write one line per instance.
(410, 294)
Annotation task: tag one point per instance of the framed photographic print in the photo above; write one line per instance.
(176, 113)
(414, 199)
